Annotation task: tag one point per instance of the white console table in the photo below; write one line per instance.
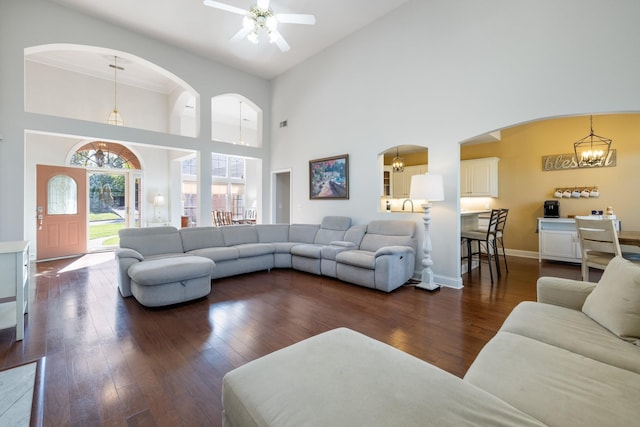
(14, 285)
(558, 239)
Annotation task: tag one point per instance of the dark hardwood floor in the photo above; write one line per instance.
(110, 361)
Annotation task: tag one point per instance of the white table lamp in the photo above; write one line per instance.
(427, 187)
(158, 202)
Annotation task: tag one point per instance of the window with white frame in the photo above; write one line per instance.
(228, 183)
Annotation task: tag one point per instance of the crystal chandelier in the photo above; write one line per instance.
(592, 150)
(397, 163)
(114, 117)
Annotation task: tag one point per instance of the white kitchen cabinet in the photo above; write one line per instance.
(401, 181)
(479, 177)
(558, 240)
(14, 285)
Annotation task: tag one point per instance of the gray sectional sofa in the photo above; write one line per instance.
(570, 359)
(164, 265)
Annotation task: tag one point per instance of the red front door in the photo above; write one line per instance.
(61, 211)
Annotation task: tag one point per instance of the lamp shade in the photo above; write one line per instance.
(158, 200)
(427, 187)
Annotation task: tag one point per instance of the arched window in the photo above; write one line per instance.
(106, 155)
(236, 120)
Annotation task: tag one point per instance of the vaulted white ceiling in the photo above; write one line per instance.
(206, 31)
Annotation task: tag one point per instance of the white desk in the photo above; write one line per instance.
(14, 285)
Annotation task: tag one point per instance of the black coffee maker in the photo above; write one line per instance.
(551, 209)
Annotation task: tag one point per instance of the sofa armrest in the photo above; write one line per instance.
(394, 250)
(563, 292)
(129, 253)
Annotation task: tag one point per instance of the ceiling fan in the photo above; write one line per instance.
(261, 17)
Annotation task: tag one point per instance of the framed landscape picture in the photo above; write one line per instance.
(329, 178)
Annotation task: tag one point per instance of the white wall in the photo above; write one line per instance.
(52, 90)
(33, 23)
(434, 73)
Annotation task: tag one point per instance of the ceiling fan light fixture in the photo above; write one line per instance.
(271, 23)
(248, 23)
(253, 37)
(261, 17)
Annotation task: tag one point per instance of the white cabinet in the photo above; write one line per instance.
(559, 246)
(14, 285)
(558, 240)
(401, 181)
(479, 177)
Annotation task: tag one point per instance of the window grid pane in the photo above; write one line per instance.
(236, 167)
(218, 166)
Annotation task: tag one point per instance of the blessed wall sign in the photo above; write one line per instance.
(561, 162)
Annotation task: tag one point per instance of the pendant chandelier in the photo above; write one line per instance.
(114, 117)
(592, 150)
(397, 163)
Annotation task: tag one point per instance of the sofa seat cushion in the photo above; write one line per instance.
(573, 331)
(307, 250)
(283, 247)
(254, 249)
(329, 252)
(343, 378)
(218, 253)
(173, 269)
(357, 258)
(556, 386)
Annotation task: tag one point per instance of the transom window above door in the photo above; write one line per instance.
(105, 155)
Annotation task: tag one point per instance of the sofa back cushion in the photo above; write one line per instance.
(355, 234)
(270, 233)
(151, 241)
(303, 233)
(331, 229)
(201, 237)
(239, 234)
(615, 301)
(388, 233)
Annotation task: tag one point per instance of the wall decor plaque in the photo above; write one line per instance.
(561, 162)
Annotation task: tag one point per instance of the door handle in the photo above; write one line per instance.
(40, 218)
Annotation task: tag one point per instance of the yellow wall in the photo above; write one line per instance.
(524, 186)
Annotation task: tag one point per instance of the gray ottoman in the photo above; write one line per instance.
(344, 378)
(170, 280)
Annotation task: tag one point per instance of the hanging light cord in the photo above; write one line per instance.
(115, 83)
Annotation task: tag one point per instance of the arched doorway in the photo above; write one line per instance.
(114, 191)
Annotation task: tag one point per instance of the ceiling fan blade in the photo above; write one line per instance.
(263, 4)
(277, 38)
(244, 32)
(296, 18)
(228, 8)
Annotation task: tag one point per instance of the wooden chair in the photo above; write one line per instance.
(222, 218)
(598, 243)
(250, 216)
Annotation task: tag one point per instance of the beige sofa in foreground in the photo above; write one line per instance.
(570, 359)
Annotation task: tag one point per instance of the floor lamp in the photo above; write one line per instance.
(427, 187)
